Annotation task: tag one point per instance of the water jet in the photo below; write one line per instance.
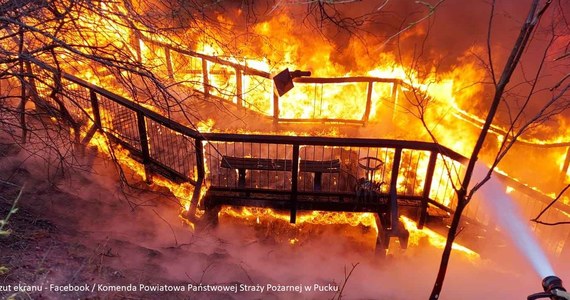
(509, 218)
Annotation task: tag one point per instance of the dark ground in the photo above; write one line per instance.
(61, 238)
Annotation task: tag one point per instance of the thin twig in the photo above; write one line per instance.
(346, 278)
(170, 226)
(549, 205)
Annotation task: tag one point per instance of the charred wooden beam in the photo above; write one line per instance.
(199, 147)
(345, 79)
(239, 87)
(275, 108)
(205, 79)
(566, 165)
(335, 141)
(90, 133)
(394, 214)
(246, 70)
(427, 189)
(95, 108)
(169, 68)
(368, 103)
(283, 203)
(144, 146)
(322, 121)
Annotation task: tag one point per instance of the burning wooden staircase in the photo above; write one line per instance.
(291, 173)
(389, 178)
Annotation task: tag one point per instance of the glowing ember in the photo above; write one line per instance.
(314, 217)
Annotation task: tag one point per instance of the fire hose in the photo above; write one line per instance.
(553, 289)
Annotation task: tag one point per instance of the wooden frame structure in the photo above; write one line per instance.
(311, 169)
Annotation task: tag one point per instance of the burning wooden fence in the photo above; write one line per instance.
(386, 177)
(284, 172)
(315, 99)
(249, 87)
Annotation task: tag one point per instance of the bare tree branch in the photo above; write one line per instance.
(550, 205)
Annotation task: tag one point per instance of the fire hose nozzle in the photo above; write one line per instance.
(561, 294)
(553, 289)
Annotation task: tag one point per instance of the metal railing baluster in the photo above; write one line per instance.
(294, 182)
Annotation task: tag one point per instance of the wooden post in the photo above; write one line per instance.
(239, 87)
(241, 178)
(383, 238)
(169, 68)
(317, 181)
(144, 146)
(201, 174)
(394, 189)
(366, 115)
(275, 109)
(205, 80)
(136, 43)
(565, 166)
(96, 117)
(427, 189)
(95, 108)
(294, 182)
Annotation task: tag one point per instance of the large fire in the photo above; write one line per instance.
(438, 98)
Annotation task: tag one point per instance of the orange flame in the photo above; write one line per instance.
(434, 238)
(441, 91)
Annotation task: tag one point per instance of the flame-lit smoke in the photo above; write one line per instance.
(366, 220)
(235, 254)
